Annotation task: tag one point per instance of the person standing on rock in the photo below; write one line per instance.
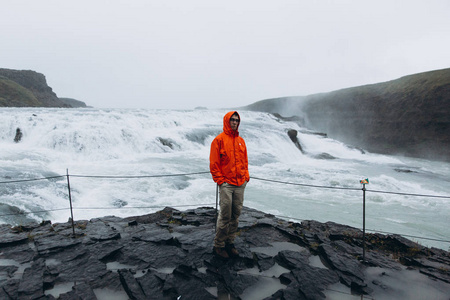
(228, 164)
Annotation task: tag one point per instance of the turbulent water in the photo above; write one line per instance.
(135, 149)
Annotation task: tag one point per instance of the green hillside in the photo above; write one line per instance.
(27, 88)
(407, 116)
(15, 95)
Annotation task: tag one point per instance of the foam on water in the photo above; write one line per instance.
(119, 142)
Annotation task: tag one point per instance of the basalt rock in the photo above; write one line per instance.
(168, 255)
(18, 136)
(292, 133)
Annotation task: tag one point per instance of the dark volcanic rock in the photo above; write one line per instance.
(11, 238)
(18, 136)
(292, 133)
(168, 255)
(32, 286)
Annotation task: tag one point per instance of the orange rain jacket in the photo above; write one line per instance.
(228, 161)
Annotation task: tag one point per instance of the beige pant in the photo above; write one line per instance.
(231, 202)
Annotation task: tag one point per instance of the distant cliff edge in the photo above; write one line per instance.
(407, 116)
(26, 88)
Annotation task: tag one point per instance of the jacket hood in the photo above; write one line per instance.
(226, 123)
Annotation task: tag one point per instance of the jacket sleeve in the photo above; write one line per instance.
(247, 174)
(214, 162)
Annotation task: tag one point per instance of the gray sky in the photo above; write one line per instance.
(180, 54)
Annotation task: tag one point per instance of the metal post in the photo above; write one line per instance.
(364, 222)
(70, 200)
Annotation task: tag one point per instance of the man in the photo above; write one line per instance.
(228, 164)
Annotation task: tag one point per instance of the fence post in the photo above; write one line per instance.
(364, 223)
(70, 200)
(364, 182)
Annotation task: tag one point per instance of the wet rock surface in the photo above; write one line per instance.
(168, 255)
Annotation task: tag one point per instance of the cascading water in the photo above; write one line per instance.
(133, 143)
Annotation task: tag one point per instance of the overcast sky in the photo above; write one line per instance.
(180, 54)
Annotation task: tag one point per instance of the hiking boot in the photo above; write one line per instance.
(221, 252)
(232, 251)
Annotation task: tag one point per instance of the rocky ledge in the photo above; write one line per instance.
(168, 255)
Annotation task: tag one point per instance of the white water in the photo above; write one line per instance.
(120, 142)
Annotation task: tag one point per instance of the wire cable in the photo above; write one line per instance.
(406, 194)
(142, 207)
(375, 230)
(33, 212)
(412, 236)
(207, 172)
(190, 205)
(307, 185)
(33, 179)
(137, 176)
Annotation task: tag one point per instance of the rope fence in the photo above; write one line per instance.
(308, 185)
(34, 179)
(67, 176)
(207, 172)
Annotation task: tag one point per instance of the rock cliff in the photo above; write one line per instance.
(26, 88)
(73, 102)
(168, 255)
(408, 116)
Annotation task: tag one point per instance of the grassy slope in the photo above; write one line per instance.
(14, 95)
(410, 115)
